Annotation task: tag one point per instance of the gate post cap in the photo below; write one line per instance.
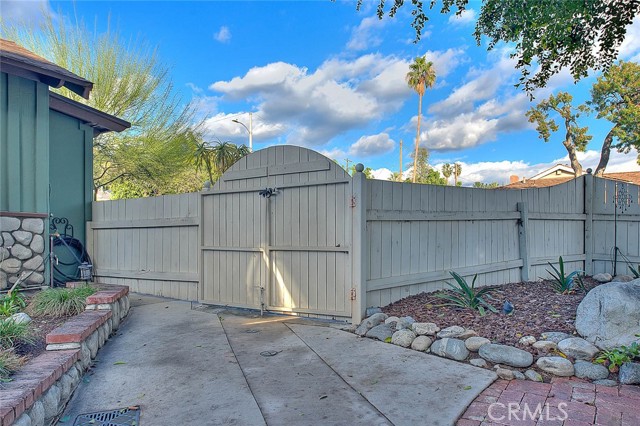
(359, 167)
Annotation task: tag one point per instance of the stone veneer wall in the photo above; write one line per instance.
(22, 247)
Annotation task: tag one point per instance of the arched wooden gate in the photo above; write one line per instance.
(289, 250)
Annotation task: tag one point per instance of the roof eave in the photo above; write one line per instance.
(100, 121)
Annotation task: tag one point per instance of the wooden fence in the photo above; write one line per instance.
(405, 240)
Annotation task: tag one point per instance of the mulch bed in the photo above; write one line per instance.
(40, 327)
(537, 309)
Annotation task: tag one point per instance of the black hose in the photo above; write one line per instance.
(79, 254)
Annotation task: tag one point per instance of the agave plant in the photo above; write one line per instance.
(465, 296)
(563, 283)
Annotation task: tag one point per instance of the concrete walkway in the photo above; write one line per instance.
(208, 366)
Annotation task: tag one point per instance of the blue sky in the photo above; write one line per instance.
(322, 75)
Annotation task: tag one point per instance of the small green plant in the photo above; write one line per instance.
(9, 363)
(635, 271)
(12, 333)
(465, 296)
(60, 302)
(11, 303)
(563, 283)
(614, 358)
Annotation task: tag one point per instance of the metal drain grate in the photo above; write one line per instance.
(121, 417)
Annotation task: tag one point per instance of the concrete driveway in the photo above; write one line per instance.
(208, 366)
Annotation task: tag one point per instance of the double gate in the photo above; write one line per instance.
(276, 234)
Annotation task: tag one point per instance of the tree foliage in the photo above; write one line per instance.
(549, 35)
(424, 172)
(447, 171)
(217, 158)
(483, 185)
(615, 97)
(129, 82)
(420, 77)
(559, 106)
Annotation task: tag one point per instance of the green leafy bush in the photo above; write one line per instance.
(465, 296)
(563, 283)
(60, 302)
(12, 333)
(614, 358)
(9, 363)
(11, 304)
(635, 271)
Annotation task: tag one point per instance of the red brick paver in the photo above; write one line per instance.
(563, 402)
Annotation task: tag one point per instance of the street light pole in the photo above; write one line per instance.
(249, 129)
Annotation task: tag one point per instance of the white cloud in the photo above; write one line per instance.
(336, 154)
(381, 174)
(444, 62)
(368, 146)
(24, 11)
(366, 34)
(222, 126)
(467, 17)
(630, 47)
(223, 35)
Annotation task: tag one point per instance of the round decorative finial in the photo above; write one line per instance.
(589, 171)
(359, 167)
(207, 185)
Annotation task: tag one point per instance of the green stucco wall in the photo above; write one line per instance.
(70, 154)
(24, 145)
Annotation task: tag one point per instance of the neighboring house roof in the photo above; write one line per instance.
(15, 59)
(628, 177)
(554, 172)
(100, 121)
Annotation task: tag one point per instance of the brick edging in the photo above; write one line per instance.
(54, 375)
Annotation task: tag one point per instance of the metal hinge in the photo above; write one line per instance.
(353, 294)
(353, 201)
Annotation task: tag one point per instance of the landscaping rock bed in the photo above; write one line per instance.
(537, 341)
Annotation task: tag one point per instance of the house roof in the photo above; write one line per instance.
(99, 120)
(628, 177)
(15, 59)
(553, 170)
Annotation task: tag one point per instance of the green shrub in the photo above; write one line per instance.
(60, 302)
(12, 333)
(635, 271)
(465, 296)
(563, 283)
(9, 363)
(614, 358)
(11, 304)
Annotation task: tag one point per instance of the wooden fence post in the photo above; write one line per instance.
(523, 239)
(359, 245)
(588, 223)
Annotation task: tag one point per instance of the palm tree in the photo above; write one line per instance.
(447, 170)
(457, 170)
(218, 158)
(421, 76)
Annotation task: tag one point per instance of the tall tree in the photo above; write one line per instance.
(616, 97)
(447, 170)
(576, 137)
(421, 76)
(130, 83)
(457, 171)
(424, 172)
(549, 35)
(395, 177)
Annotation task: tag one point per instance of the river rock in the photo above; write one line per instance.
(22, 237)
(37, 244)
(404, 323)
(425, 328)
(606, 382)
(622, 278)
(20, 318)
(403, 338)
(466, 334)
(505, 373)
(578, 348)
(11, 266)
(381, 332)
(450, 348)
(533, 375)
(421, 343)
(9, 224)
(518, 375)
(603, 278)
(473, 343)
(450, 332)
(478, 362)
(554, 336)
(629, 373)
(368, 323)
(21, 252)
(33, 225)
(373, 310)
(527, 340)
(392, 320)
(545, 345)
(503, 354)
(587, 370)
(555, 365)
(609, 315)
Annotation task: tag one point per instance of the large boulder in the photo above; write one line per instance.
(609, 315)
(368, 323)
